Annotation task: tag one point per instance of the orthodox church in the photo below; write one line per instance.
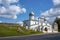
(39, 25)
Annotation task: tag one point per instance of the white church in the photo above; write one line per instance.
(39, 25)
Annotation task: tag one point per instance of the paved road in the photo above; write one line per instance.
(55, 36)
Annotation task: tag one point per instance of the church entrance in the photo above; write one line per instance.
(46, 29)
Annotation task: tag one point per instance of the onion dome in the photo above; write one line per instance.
(31, 14)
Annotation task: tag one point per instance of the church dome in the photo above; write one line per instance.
(31, 14)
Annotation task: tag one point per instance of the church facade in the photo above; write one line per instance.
(38, 25)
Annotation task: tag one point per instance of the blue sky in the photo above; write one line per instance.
(37, 6)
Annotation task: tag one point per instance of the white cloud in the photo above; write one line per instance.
(19, 22)
(58, 16)
(14, 17)
(14, 9)
(10, 11)
(23, 10)
(12, 1)
(53, 12)
(0, 21)
(2, 10)
(0, 1)
(46, 13)
(8, 1)
(56, 2)
(9, 16)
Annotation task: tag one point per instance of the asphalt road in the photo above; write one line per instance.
(55, 36)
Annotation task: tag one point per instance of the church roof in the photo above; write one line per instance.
(31, 14)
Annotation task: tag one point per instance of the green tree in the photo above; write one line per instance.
(57, 20)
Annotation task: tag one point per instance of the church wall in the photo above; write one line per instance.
(43, 24)
(26, 24)
(34, 27)
(39, 23)
(31, 18)
(41, 20)
(49, 29)
(32, 22)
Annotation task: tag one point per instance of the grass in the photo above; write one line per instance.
(14, 30)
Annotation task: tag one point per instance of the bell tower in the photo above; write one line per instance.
(31, 16)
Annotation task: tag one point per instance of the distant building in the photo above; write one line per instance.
(55, 27)
(38, 25)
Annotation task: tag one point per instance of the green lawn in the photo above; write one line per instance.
(11, 30)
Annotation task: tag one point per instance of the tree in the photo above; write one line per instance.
(57, 20)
